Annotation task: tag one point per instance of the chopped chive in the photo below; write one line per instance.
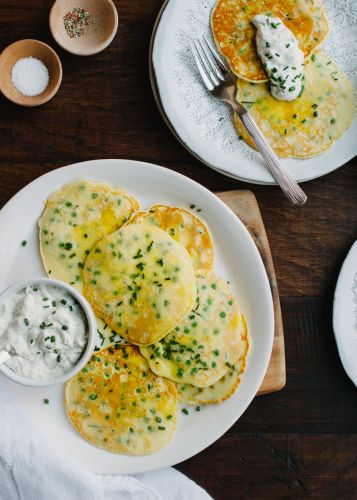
(23, 243)
(185, 411)
(46, 401)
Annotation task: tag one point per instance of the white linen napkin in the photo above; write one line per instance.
(30, 469)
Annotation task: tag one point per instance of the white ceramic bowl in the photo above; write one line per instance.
(92, 328)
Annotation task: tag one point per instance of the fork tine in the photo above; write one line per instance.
(201, 68)
(202, 56)
(211, 62)
(218, 58)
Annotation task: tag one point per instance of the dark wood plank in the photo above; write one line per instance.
(256, 466)
(302, 441)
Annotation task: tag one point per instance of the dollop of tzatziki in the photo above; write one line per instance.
(45, 331)
(281, 56)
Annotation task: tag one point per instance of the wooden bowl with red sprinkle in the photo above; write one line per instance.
(83, 27)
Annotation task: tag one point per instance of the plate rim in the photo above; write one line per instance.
(161, 107)
(336, 305)
(11, 203)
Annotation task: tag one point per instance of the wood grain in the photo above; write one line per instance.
(105, 109)
(245, 206)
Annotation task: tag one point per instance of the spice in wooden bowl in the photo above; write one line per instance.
(83, 27)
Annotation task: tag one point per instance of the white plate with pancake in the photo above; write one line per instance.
(205, 126)
(237, 260)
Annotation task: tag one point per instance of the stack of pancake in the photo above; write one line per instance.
(309, 125)
(149, 277)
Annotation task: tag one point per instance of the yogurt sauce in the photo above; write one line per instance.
(281, 56)
(44, 329)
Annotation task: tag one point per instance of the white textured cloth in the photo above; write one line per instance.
(30, 469)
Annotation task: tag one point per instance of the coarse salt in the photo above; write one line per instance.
(29, 76)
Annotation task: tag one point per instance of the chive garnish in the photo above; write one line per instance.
(46, 401)
(185, 411)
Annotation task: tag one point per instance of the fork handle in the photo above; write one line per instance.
(282, 176)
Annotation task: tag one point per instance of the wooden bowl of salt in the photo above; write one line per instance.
(30, 72)
(83, 27)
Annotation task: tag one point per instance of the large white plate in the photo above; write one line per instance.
(345, 314)
(204, 126)
(237, 259)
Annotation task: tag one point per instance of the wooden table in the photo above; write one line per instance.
(302, 441)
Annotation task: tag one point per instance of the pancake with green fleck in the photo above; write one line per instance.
(201, 348)
(221, 390)
(184, 227)
(75, 218)
(309, 125)
(118, 404)
(141, 282)
(235, 33)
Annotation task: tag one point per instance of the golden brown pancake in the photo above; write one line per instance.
(75, 218)
(310, 124)
(184, 227)
(234, 32)
(223, 389)
(140, 282)
(118, 404)
(200, 350)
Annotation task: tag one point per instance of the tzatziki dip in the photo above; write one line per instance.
(45, 331)
(281, 56)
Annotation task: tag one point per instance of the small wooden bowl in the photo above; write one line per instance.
(39, 50)
(99, 37)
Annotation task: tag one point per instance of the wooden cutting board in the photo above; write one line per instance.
(245, 206)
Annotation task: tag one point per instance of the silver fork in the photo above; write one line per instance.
(220, 82)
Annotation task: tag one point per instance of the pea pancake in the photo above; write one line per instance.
(140, 282)
(221, 390)
(309, 125)
(234, 32)
(184, 227)
(75, 218)
(201, 348)
(118, 404)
